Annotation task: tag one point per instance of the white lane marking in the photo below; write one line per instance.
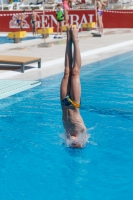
(61, 60)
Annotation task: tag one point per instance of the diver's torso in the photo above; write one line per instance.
(72, 121)
(33, 17)
(99, 5)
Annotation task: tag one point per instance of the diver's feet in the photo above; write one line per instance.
(74, 34)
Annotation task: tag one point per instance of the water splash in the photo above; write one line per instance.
(81, 139)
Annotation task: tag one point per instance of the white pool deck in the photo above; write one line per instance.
(113, 42)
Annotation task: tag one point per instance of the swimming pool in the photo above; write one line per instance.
(34, 162)
(4, 39)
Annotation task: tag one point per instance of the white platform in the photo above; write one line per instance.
(11, 87)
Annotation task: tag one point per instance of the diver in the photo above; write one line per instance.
(100, 5)
(60, 18)
(33, 18)
(70, 93)
(20, 19)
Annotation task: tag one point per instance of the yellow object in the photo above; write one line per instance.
(47, 30)
(19, 34)
(11, 1)
(76, 105)
(84, 25)
(91, 25)
(64, 28)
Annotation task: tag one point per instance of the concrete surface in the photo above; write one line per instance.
(97, 48)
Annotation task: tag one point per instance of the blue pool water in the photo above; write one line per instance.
(4, 39)
(34, 162)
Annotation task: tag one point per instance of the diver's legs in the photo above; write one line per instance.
(21, 25)
(58, 28)
(35, 28)
(75, 90)
(65, 84)
(101, 24)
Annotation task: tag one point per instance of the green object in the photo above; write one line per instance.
(59, 15)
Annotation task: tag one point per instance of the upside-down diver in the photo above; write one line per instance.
(70, 93)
